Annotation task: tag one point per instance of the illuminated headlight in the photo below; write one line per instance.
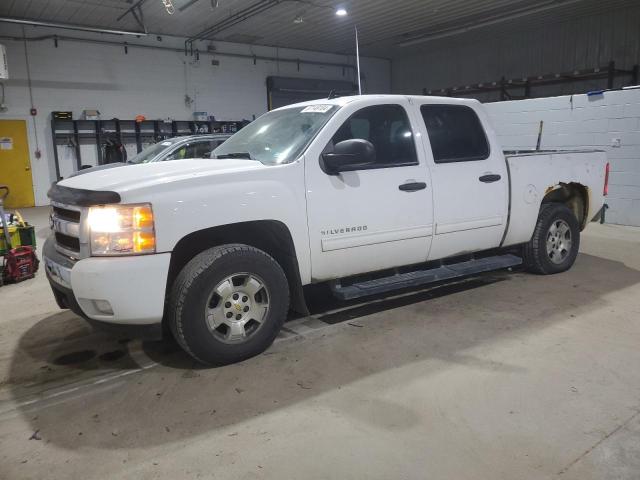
(122, 230)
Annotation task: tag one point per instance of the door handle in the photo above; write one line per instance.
(490, 178)
(412, 186)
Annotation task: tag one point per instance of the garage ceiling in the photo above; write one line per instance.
(388, 28)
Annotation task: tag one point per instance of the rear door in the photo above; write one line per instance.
(470, 182)
(375, 218)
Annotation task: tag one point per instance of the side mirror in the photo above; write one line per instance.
(348, 156)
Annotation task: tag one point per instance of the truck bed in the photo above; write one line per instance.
(530, 179)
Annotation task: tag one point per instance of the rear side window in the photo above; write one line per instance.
(455, 133)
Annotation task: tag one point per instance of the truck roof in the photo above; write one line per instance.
(379, 98)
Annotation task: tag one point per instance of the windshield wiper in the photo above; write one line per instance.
(235, 155)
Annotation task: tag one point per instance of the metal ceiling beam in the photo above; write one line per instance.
(139, 17)
(475, 24)
(68, 26)
(187, 5)
(234, 19)
(136, 11)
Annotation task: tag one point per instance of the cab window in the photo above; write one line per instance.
(179, 153)
(388, 128)
(199, 149)
(204, 149)
(455, 133)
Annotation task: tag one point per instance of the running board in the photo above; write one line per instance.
(423, 277)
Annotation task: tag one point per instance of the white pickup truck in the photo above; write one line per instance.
(369, 193)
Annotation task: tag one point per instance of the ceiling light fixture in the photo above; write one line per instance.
(168, 5)
(341, 12)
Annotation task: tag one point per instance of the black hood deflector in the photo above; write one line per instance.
(81, 197)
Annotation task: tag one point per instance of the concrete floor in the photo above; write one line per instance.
(501, 377)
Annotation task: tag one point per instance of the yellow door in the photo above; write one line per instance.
(15, 167)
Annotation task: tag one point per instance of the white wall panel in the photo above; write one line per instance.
(581, 121)
(77, 76)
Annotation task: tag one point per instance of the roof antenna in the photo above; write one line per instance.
(358, 62)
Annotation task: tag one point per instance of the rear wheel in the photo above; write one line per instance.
(555, 242)
(228, 304)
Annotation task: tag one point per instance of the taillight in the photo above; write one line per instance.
(606, 180)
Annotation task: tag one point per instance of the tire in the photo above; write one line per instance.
(218, 313)
(555, 242)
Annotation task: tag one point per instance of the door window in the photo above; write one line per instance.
(388, 128)
(203, 149)
(213, 144)
(455, 133)
(200, 149)
(180, 153)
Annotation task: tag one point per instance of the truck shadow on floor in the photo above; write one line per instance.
(65, 347)
(177, 399)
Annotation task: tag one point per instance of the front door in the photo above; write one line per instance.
(377, 217)
(15, 167)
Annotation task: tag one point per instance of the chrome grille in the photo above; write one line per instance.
(66, 224)
(68, 242)
(66, 214)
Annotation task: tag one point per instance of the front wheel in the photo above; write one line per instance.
(555, 242)
(228, 304)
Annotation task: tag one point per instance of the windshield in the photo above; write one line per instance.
(277, 137)
(152, 151)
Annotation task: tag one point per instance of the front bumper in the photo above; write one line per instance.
(115, 290)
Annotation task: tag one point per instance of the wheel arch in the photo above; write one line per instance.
(270, 236)
(574, 196)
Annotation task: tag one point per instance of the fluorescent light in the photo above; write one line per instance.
(341, 12)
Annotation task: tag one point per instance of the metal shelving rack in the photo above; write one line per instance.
(127, 132)
(524, 85)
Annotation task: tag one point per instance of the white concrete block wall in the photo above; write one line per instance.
(78, 76)
(609, 122)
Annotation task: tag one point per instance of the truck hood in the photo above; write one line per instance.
(146, 175)
(97, 168)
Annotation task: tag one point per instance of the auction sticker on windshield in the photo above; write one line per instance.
(317, 109)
